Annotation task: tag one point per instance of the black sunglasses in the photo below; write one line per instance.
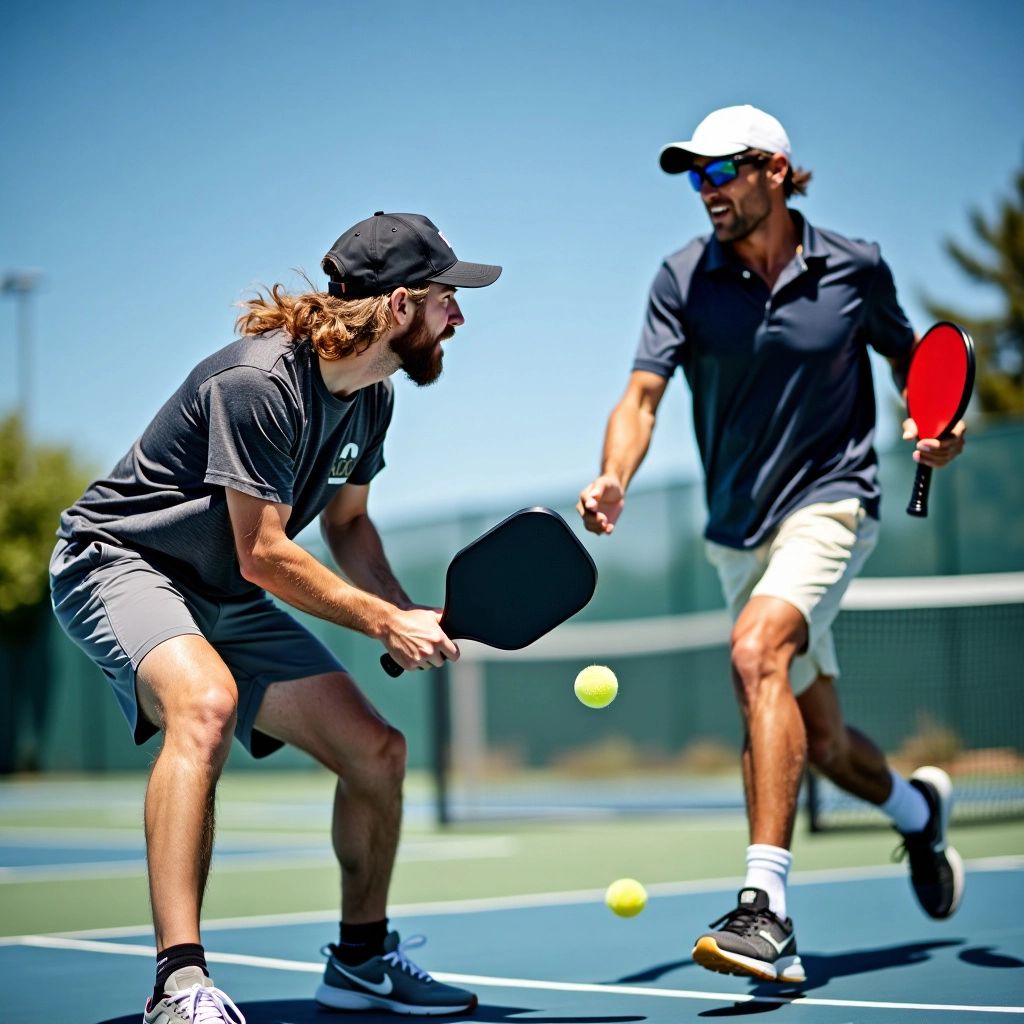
(721, 172)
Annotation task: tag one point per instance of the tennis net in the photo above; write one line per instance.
(931, 670)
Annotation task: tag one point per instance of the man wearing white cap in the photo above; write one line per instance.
(770, 320)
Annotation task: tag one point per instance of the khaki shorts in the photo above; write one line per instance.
(808, 561)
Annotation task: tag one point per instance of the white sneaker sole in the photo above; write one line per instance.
(958, 877)
(712, 957)
(940, 780)
(349, 999)
(944, 787)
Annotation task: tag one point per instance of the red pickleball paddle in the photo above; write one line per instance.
(939, 386)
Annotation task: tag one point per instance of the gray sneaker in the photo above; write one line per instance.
(389, 982)
(752, 942)
(190, 997)
(936, 870)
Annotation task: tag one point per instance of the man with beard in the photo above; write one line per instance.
(163, 574)
(770, 320)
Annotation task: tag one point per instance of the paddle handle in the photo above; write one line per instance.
(390, 666)
(919, 495)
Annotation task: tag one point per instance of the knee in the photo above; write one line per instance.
(825, 749)
(758, 667)
(391, 755)
(381, 764)
(206, 720)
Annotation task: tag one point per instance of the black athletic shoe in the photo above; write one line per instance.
(753, 942)
(389, 982)
(936, 870)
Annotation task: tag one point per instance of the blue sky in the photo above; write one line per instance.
(159, 161)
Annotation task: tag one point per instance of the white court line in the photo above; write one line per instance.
(228, 860)
(482, 981)
(225, 862)
(101, 836)
(484, 904)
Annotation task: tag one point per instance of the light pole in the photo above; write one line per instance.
(21, 284)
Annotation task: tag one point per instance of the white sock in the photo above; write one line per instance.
(767, 868)
(906, 805)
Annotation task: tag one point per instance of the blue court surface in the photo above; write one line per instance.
(870, 956)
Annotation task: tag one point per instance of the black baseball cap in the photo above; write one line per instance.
(394, 250)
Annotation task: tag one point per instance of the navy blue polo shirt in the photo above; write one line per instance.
(783, 402)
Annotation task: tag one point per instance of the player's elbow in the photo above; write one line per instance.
(256, 564)
(251, 571)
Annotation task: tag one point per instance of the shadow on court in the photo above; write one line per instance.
(652, 973)
(823, 968)
(986, 956)
(305, 1011)
(741, 1009)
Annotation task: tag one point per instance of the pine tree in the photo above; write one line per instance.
(998, 339)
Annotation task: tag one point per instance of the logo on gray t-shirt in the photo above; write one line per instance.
(344, 463)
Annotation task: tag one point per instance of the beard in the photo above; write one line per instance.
(421, 356)
(745, 219)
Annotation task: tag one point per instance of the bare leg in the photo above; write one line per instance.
(767, 634)
(365, 838)
(185, 688)
(843, 754)
(330, 719)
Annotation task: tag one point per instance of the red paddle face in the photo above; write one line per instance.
(940, 379)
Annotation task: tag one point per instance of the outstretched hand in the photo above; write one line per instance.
(935, 451)
(601, 504)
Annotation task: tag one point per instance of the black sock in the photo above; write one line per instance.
(173, 958)
(361, 941)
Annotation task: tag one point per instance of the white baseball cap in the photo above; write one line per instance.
(726, 132)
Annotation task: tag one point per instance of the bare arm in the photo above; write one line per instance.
(268, 558)
(355, 544)
(627, 438)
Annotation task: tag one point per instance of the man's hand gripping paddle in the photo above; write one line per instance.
(515, 583)
(939, 386)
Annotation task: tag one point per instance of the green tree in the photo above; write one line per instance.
(36, 482)
(998, 339)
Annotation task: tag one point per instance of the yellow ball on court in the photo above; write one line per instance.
(626, 897)
(596, 686)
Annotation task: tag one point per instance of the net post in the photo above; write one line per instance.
(441, 741)
(813, 802)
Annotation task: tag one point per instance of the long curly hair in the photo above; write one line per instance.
(336, 328)
(797, 180)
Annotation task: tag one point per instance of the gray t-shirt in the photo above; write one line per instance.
(783, 400)
(255, 416)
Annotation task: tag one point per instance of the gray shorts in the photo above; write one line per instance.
(117, 608)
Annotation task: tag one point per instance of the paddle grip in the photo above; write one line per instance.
(919, 496)
(390, 666)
